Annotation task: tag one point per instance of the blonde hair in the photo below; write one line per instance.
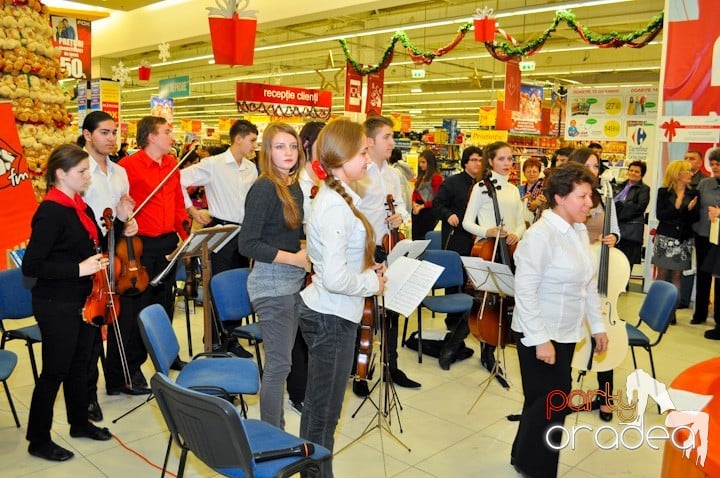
(673, 171)
(337, 143)
(291, 212)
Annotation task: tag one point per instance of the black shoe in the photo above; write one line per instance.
(401, 380)
(50, 451)
(695, 321)
(713, 334)
(95, 413)
(92, 432)
(178, 364)
(605, 416)
(447, 354)
(360, 388)
(138, 380)
(238, 351)
(129, 390)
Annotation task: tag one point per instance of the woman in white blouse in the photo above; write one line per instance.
(480, 221)
(555, 287)
(341, 245)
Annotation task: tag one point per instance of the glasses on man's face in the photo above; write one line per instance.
(474, 160)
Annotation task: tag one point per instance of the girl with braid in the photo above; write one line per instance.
(340, 244)
(271, 233)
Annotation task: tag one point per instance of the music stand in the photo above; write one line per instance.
(200, 243)
(496, 278)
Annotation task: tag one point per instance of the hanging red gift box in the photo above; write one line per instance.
(484, 23)
(233, 40)
(144, 73)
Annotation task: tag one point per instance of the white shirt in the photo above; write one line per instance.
(480, 212)
(336, 248)
(555, 283)
(306, 184)
(105, 190)
(226, 184)
(373, 190)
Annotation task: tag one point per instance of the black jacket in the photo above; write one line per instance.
(676, 223)
(452, 198)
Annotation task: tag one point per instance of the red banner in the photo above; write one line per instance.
(72, 38)
(374, 101)
(353, 90)
(282, 101)
(16, 191)
(512, 85)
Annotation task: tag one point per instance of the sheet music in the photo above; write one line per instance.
(408, 248)
(409, 281)
(489, 276)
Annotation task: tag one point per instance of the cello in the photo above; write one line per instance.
(613, 276)
(490, 316)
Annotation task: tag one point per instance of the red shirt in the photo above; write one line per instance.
(165, 212)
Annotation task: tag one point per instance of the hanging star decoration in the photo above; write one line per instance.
(326, 84)
(121, 73)
(164, 51)
(475, 79)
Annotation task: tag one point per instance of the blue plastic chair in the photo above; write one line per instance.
(16, 303)
(656, 311)
(435, 238)
(452, 276)
(216, 433)
(232, 303)
(8, 361)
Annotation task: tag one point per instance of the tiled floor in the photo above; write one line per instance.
(446, 438)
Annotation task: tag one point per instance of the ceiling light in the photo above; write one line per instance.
(416, 90)
(415, 112)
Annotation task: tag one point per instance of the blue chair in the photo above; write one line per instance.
(16, 303)
(216, 433)
(452, 276)
(232, 304)
(8, 360)
(656, 311)
(435, 238)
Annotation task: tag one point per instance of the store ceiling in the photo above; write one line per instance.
(125, 5)
(455, 85)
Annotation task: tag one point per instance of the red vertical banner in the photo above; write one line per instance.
(512, 85)
(16, 191)
(374, 102)
(353, 90)
(72, 37)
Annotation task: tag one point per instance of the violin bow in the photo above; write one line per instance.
(192, 149)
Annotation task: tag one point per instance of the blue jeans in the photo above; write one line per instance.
(331, 349)
(278, 319)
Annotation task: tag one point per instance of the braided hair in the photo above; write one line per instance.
(337, 143)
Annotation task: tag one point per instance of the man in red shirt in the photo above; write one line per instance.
(160, 222)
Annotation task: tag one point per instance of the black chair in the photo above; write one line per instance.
(216, 433)
(16, 303)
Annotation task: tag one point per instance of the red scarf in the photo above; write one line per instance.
(77, 203)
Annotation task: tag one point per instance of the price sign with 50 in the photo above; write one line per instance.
(73, 66)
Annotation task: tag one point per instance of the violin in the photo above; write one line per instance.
(394, 235)
(490, 316)
(371, 307)
(101, 306)
(133, 278)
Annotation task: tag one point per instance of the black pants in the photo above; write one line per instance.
(93, 373)
(704, 280)
(530, 452)
(229, 256)
(66, 344)
(155, 250)
(297, 378)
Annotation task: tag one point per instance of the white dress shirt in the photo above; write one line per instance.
(480, 212)
(373, 189)
(336, 248)
(226, 184)
(555, 283)
(105, 190)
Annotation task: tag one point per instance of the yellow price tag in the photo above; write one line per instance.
(613, 106)
(611, 128)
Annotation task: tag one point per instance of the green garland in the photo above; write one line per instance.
(505, 51)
